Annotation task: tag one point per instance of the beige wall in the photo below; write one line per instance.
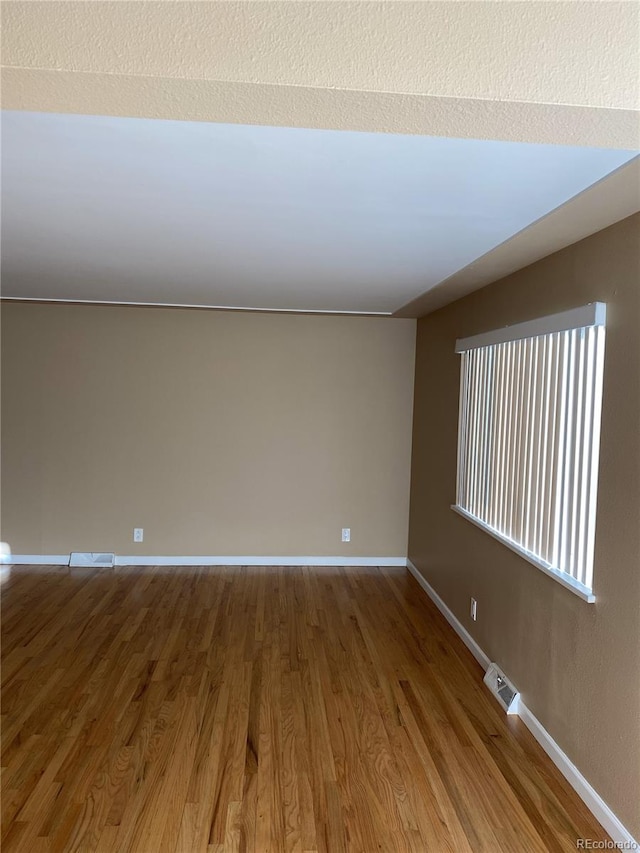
(219, 433)
(577, 665)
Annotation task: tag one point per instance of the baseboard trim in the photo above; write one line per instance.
(590, 797)
(260, 561)
(457, 626)
(134, 560)
(36, 559)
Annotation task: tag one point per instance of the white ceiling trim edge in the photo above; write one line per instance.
(249, 309)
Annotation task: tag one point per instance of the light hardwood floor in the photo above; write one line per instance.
(259, 710)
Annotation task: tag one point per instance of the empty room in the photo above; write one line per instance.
(320, 426)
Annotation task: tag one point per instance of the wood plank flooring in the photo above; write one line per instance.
(259, 710)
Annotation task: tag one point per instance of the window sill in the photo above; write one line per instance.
(566, 581)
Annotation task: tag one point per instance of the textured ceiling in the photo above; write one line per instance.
(556, 53)
(554, 72)
(542, 72)
(304, 106)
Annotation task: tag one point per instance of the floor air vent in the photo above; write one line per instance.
(503, 690)
(96, 560)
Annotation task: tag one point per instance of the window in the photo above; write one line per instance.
(528, 439)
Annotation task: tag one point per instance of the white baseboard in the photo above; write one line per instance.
(590, 797)
(260, 561)
(36, 559)
(132, 560)
(594, 802)
(457, 626)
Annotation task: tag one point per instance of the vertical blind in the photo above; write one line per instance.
(529, 434)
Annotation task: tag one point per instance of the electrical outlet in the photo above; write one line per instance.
(474, 609)
(138, 534)
(346, 534)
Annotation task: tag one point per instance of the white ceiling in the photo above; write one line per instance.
(197, 213)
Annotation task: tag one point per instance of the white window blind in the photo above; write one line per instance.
(529, 435)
